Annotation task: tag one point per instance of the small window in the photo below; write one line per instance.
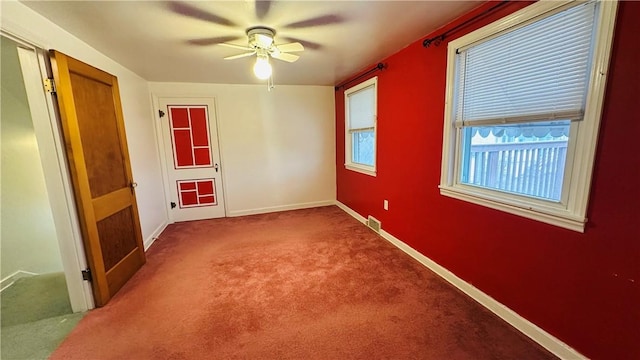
(524, 97)
(360, 124)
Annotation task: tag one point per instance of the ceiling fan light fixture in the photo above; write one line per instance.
(262, 69)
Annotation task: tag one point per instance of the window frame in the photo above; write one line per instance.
(348, 144)
(570, 211)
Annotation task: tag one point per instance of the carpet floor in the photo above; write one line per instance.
(36, 316)
(306, 284)
(36, 340)
(35, 298)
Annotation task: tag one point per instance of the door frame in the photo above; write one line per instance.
(155, 103)
(35, 67)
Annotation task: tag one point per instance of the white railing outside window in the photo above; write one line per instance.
(533, 169)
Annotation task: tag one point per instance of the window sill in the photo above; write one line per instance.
(362, 170)
(558, 217)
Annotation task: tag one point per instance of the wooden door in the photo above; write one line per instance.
(93, 127)
(194, 171)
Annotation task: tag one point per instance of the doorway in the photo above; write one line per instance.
(24, 69)
(41, 282)
(29, 241)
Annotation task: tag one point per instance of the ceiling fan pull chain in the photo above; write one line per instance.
(270, 84)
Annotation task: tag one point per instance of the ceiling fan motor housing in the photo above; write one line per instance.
(261, 43)
(260, 37)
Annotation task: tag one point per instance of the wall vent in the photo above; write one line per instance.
(374, 224)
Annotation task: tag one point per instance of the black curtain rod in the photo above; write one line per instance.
(438, 39)
(378, 67)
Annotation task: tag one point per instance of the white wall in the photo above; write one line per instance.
(29, 25)
(28, 235)
(277, 147)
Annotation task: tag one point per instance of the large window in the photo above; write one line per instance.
(360, 127)
(524, 97)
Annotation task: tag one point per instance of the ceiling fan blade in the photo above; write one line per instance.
(193, 12)
(234, 46)
(262, 8)
(233, 57)
(213, 40)
(316, 21)
(285, 57)
(307, 44)
(290, 47)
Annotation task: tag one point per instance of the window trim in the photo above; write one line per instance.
(570, 212)
(348, 163)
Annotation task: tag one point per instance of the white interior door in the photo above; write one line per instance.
(194, 171)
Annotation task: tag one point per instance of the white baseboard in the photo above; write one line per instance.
(351, 212)
(281, 208)
(154, 236)
(546, 340)
(9, 280)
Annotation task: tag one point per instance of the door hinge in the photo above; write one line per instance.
(49, 85)
(161, 113)
(86, 274)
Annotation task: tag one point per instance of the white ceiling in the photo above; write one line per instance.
(175, 41)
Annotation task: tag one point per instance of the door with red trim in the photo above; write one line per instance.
(194, 171)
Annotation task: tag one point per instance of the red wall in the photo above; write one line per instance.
(581, 288)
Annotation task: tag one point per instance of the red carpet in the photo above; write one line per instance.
(307, 284)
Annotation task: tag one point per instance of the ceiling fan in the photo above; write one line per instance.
(261, 43)
(260, 39)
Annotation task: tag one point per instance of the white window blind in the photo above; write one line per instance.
(537, 72)
(361, 108)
